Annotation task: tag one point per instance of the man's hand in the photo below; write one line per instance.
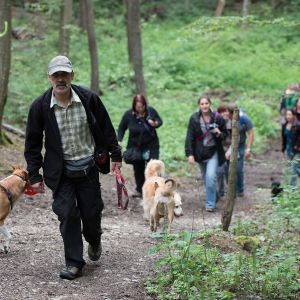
(116, 164)
(247, 153)
(228, 153)
(35, 188)
(216, 131)
(191, 159)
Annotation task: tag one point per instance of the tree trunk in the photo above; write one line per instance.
(92, 46)
(135, 44)
(246, 7)
(5, 43)
(231, 194)
(129, 36)
(187, 5)
(65, 20)
(82, 15)
(220, 8)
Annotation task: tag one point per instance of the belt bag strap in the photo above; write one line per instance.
(202, 136)
(80, 173)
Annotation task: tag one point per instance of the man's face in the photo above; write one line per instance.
(61, 82)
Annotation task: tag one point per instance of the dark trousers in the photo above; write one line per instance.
(139, 175)
(79, 201)
(139, 168)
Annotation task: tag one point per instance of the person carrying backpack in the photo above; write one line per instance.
(289, 100)
(245, 144)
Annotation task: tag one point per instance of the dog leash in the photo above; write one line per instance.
(121, 189)
(30, 191)
(8, 194)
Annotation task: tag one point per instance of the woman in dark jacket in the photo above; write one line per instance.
(286, 134)
(290, 134)
(141, 121)
(203, 144)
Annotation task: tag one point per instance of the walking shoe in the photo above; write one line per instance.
(94, 252)
(136, 194)
(240, 194)
(70, 273)
(209, 209)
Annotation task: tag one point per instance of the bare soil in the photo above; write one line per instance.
(30, 270)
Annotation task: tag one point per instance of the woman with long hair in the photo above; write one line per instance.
(203, 144)
(290, 134)
(141, 121)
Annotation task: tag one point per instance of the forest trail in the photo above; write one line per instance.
(30, 270)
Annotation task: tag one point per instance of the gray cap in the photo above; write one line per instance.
(60, 63)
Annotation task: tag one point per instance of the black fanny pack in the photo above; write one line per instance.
(79, 168)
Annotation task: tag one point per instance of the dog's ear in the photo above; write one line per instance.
(170, 185)
(15, 167)
(25, 175)
(171, 182)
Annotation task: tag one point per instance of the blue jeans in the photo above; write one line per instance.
(209, 173)
(295, 169)
(240, 170)
(221, 180)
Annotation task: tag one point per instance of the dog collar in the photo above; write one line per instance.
(8, 194)
(21, 178)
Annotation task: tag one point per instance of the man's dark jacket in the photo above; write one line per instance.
(42, 127)
(194, 131)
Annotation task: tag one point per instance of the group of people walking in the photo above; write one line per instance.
(290, 130)
(73, 126)
(208, 142)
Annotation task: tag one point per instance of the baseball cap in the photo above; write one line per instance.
(60, 63)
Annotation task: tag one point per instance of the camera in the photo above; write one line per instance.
(213, 126)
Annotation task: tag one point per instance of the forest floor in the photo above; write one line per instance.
(30, 269)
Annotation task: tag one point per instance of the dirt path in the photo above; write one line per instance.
(30, 270)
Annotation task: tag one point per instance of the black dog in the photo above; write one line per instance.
(276, 188)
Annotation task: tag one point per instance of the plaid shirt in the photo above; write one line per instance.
(76, 138)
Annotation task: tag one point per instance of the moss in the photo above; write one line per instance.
(248, 243)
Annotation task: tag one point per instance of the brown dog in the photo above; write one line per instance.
(160, 198)
(11, 188)
(167, 203)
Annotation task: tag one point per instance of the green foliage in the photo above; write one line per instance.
(44, 6)
(288, 206)
(207, 25)
(251, 66)
(191, 267)
(5, 29)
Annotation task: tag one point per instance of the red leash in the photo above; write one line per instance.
(121, 189)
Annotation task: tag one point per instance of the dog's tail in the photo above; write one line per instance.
(154, 167)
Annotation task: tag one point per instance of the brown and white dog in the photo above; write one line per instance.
(11, 188)
(160, 196)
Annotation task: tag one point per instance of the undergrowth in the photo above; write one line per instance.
(191, 266)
